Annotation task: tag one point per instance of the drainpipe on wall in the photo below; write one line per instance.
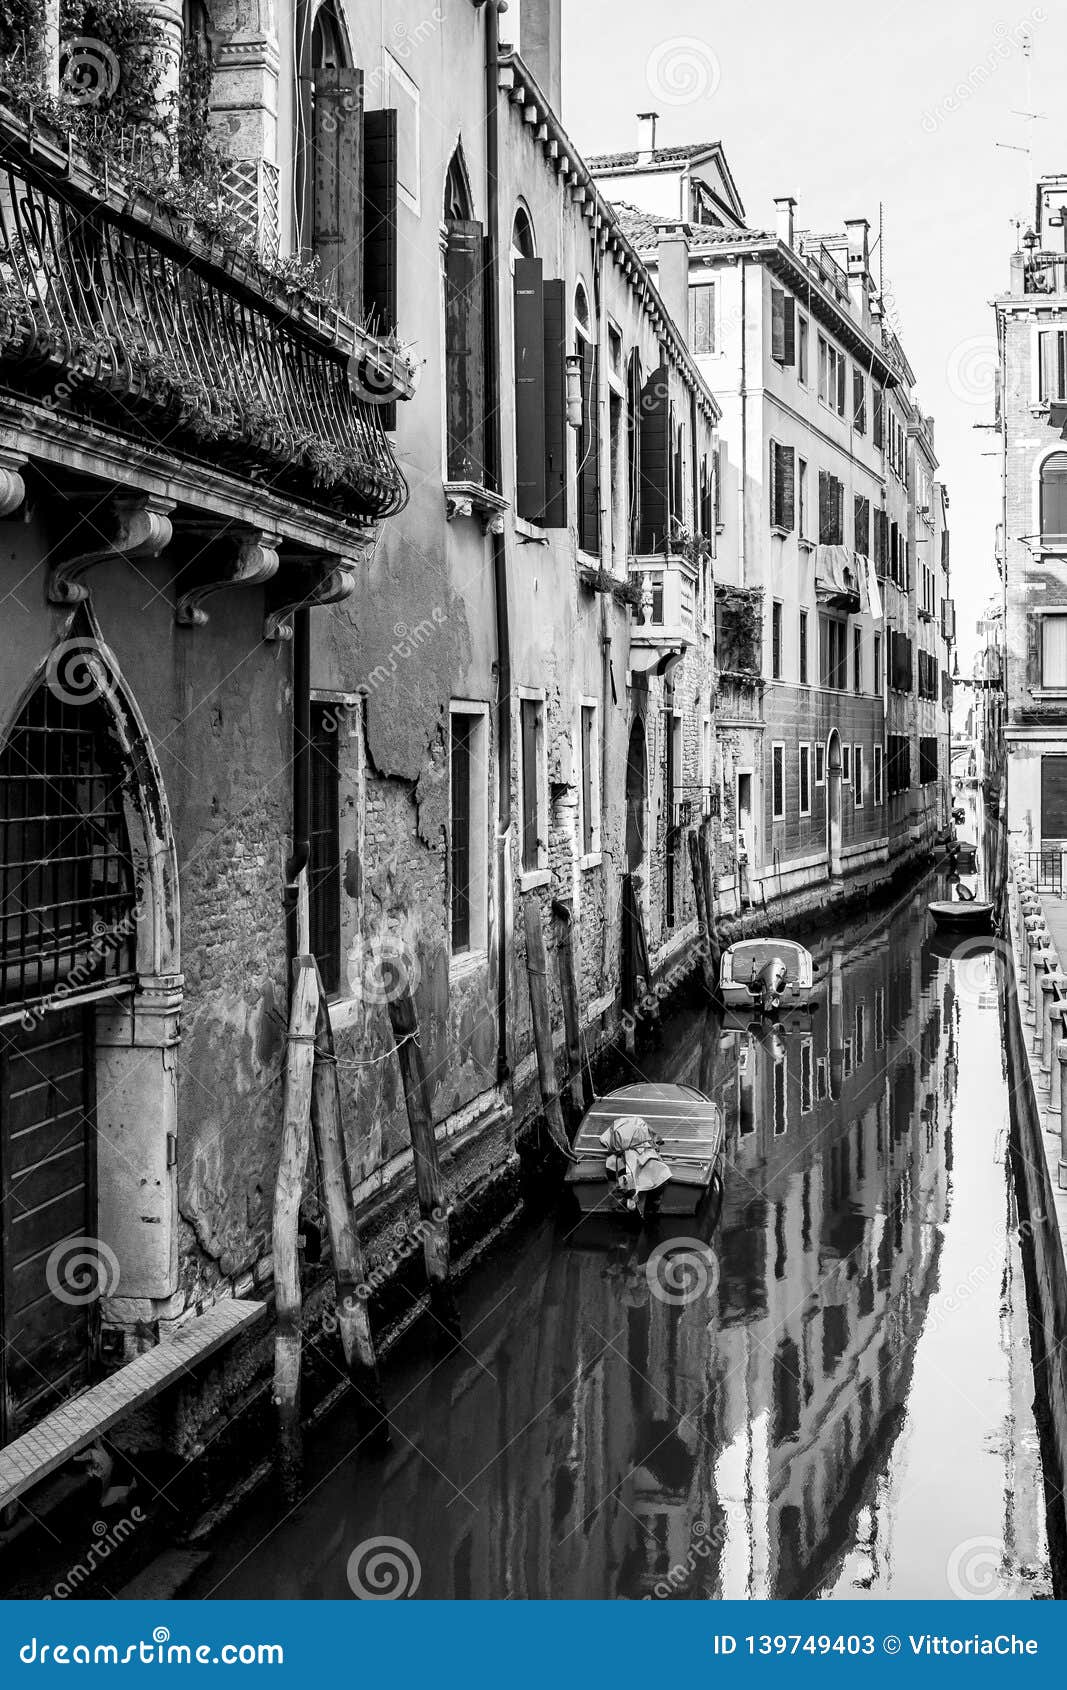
(500, 558)
(296, 905)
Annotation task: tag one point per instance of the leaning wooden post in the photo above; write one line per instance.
(296, 1125)
(568, 991)
(429, 1180)
(700, 889)
(350, 1282)
(537, 972)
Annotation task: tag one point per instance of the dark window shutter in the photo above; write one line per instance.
(555, 437)
(842, 374)
(878, 423)
(778, 325)
(337, 235)
(528, 296)
(1053, 798)
(824, 507)
(589, 453)
(655, 461)
(1033, 651)
(465, 351)
(789, 331)
(785, 487)
(380, 230)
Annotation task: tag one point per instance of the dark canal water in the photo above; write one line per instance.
(834, 1398)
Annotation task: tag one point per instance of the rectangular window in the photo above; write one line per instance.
(702, 319)
(780, 1118)
(1053, 798)
(861, 525)
(324, 863)
(802, 499)
(857, 775)
(776, 641)
(831, 510)
(590, 750)
(778, 782)
(465, 351)
(805, 780)
(846, 764)
(859, 401)
(877, 683)
(587, 447)
(857, 659)
(802, 348)
(803, 648)
(927, 759)
(1052, 365)
(783, 490)
(1054, 651)
(878, 420)
(833, 653)
(806, 1077)
(467, 828)
(534, 847)
(832, 376)
(878, 774)
(820, 765)
(783, 327)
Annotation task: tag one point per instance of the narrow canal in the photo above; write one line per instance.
(829, 1393)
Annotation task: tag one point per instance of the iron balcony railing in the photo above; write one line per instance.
(1046, 870)
(1046, 272)
(113, 308)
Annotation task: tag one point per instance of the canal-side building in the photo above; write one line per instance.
(1031, 322)
(189, 455)
(818, 585)
(242, 721)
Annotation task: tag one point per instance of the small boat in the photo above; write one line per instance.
(648, 1148)
(964, 854)
(962, 915)
(764, 975)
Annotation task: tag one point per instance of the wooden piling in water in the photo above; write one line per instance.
(296, 1135)
(429, 1180)
(537, 974)
(568, 991)
(700, 890)
(353, 1313)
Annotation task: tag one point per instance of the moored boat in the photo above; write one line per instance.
(763, 976)
(962, 915)
(647, 1147)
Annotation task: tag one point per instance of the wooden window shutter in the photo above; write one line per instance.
(1033, 651)
(336, 202)
(842, 374)
(555, 408)
(529, 311)
(789, 331)
(655, 462)
(878, 420)
(778, 325)
(824, 507)
(785, 486)
(773, 477)
(380, 230)
(465, 352)
(589, 453)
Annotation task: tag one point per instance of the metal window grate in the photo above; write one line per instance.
(66, 876)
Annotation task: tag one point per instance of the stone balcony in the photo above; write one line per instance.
(664, 621)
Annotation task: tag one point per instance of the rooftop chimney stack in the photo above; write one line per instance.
(858, 233)
(786, 209)
(672, 272)
(646, 135)
(541, 46)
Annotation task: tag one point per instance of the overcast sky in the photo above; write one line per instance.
(844, 106)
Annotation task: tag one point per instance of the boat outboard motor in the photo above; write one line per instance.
(769, 984)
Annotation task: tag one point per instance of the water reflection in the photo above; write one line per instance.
(593, 1439)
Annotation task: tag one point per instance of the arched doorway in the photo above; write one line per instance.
(833, 803)
(88, 933)
(636, 798)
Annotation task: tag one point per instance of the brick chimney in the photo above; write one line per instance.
(672, 272)
(646, 135)
(541, 46)
(858, 232)
(786, 210)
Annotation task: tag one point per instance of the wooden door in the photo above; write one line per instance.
(47, 1214)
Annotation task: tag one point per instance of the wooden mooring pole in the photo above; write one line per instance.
(537, 973)
(700, 890)
(296, 1133)
(350, 1284)
(429, 1180)
(568, 991)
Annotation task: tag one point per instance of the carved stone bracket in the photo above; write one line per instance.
(470, 498)
(132, 525)
(334, 581)
(237, 559)
(12, 486)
